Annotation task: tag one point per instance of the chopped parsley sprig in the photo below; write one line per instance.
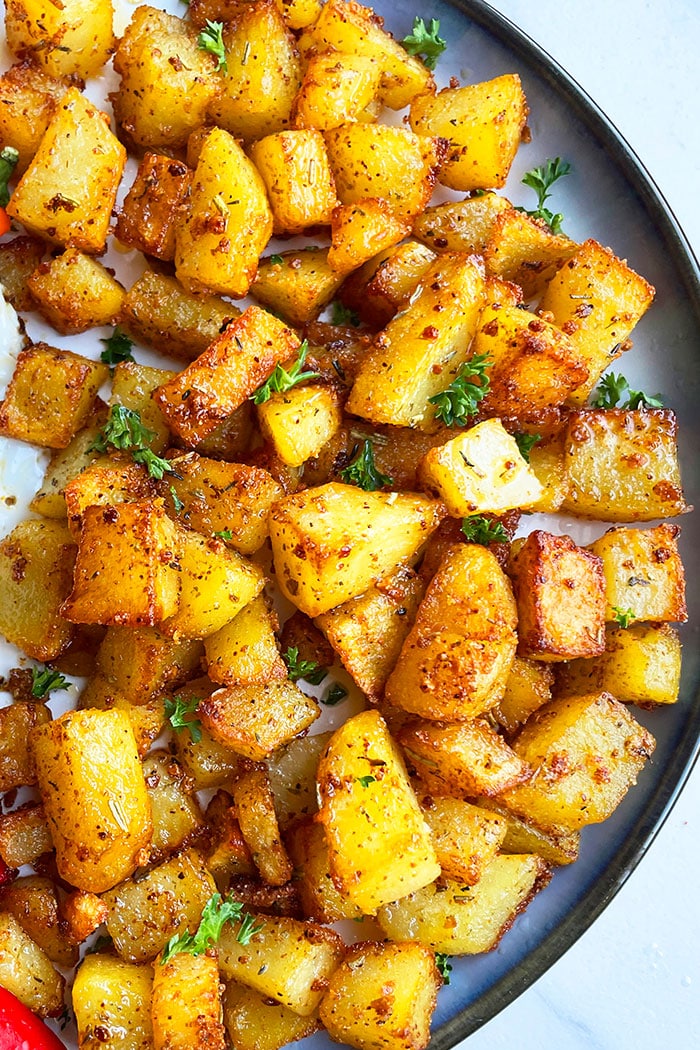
(176, 710)
(541, 180)
(211, 39)
(363, 471)
(125, 431)
(8, 162)
(343, 315)
(282, 380)
(118, 348)
(613, 391)
(217, 912)
(462, 397)
(479, 529)
(623, 617)
(442, 961)
(309, 670)
(44, 681)
(424, 41)
(526, 443)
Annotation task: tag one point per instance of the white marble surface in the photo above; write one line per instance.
(633, 980)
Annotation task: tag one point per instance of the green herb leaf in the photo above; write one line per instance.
(8, 161)
(343, 315)
(281, 380)
(461, 398)
(101, 943)
(526, 443)
(224, 534)
(125, 431)
(613, 391)
(176, 710)
(366, 780)
(623, 617)
(211, 39)
(541, 180)
(442, 961)
(45, 681)
(335, 695)
(362, 470)
(177, 502)
(217, 912)
(117, 348)
(276, 260)
(479, 529)
(425, 42)
(248, 928)
(309, 670)
(156, 466)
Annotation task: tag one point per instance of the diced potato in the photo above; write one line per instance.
(554, 845)
(244, 651)
(28, 98)
(287, 960)
(75, 38)
(17, 767)
(297, 176)
(255, 807)
(331, 543)
(197, 399)
(298, 14)
(547, 462)
(466, 837)
(597, 300)
(228, 223)
(36, 570)
(297, 284)
(300, 422)
(524, 250)
(560, 591)
(255, 720)
(68, 191)
(382, 997)
(50, 395)
(457, 656)
(460, 226)
(147, 719)
(125, 572)
(227, 854)
(139, 662)
(379, 844)
(421, 351)
(186, 1003)
(177, 817)
(641, 665)
(24, 835)
(292, 771)
(164, 902)
(81, 915)
(133, 386)
(320, 897)
(528, 686)
(644, 573)
(152, 207)
(114, 997)
(33, 901)
(385, 284)
(337, 88)
(27, 972)
(586, 753)
(255, 1022)
(92, 787)
(466, 920)
(622, 465)
(483, 124)
(361, 230)
(75, 292)
(106, 482)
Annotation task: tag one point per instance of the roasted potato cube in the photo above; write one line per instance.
(292, 772)
(644, 574)
(296, 284)
(466, 837)
(207, 762)
(158, 311)
(24, 835)
(300, 422)
(227, 852)
(297, 176)
(597, 300)
(641, 665)
(483, 124)
(382, 997)
(554, 845)
(153, 205)
(320, 897)
(263, 73)
(26, 970)
(288, 960)
(36, 569)
(336, 89)
(255, 720)
(17, 767)
(528, 686)
(28, 98)
(76, 38)
(105, 482)
(384, 285)
(524, 250)
(461, 759)
(460, 226)
(255, 807)
(19, 259)
(177, 817)
(197, 399)
(379, 160)
(466, 920)
(125, 571)
(622, 465)
(113, 997)
(255, 1022)
(33, 901)
(94, 795)
(139, 662)
(547, 462)
(361, 230)
(244, 651)
(560, 592)
(167, 900)
(50, 395)
(456, 659)
(186, 1003)
(379, 844)
(75, 292)
(133, 386)
(331, 543)
(68, 191)
(421, 351)
(586, 752)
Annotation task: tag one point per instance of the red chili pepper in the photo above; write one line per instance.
(20, 1029)
(4, 221)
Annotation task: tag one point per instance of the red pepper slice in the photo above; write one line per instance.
(4, 221)
(20, 1029)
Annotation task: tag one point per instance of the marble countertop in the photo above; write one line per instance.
(633, 979)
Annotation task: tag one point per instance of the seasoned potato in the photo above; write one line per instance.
(528, 686)
(75, 292)
(384, 285)
(133, 386)
(186, 1003)
(26, 970)
(297, 176)
(17, 767)
(153, 205)
(256, 1022)
(300, 422)
(524, 250)
(460, 226)
(466, 837)
(34, 902)
(644, 574)
(361, 230)
(175, 812)
(73, 38)
(255, 808)
(296, 284)
(320, 897)
(114, 997)
(28, 98)
(24, 835)
(255, 720)
(336, 88)
(244, 651)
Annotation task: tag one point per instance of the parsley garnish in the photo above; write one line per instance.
(366, 780)
(211, 39)
(525, 443)
(335, 695)
(614, 391)
(280, 381)
(118, 348)
(276, 260)
(124, 430)
(224, 534)
(217, 912)
(540, 180)
(8, 161)
(461, 398)
(342, 314)
(309, 670)
(425, 42)
(44, 681)
(362, 470)
(623, 617)
(479, 529)
(176, 708)
(442, 961)
(177, 502)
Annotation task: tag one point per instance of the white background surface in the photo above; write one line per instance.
(633, 980)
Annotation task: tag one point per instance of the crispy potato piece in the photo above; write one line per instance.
(17, 767)
(336, 89)
(255, 1022)
(105, 482)
(24, 835)
(554, 845)
(560, 591)
(379, 844)
(362, 229)
(177, 818)
(255, 808)
(255, 720)
(300, 422)
(524, 250)
(133, 386)
(292, 771)
(81, 914)
(68, 191)
(320, 897)
(643, 573)
(385, 284)
(33, 901)
(547, 462)
(296, 172)
(19, 259)
(76, 38)
(140, 662)
(382, 997)
(186, 1003)
(114, 997)
(466, 837)
(28, 98)
(528, 686)
(92, 787)
(152, 207)
(296, 284)
(244, 651)
(26, 970)
(460, 226)
(227, 854)
(75, 292)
